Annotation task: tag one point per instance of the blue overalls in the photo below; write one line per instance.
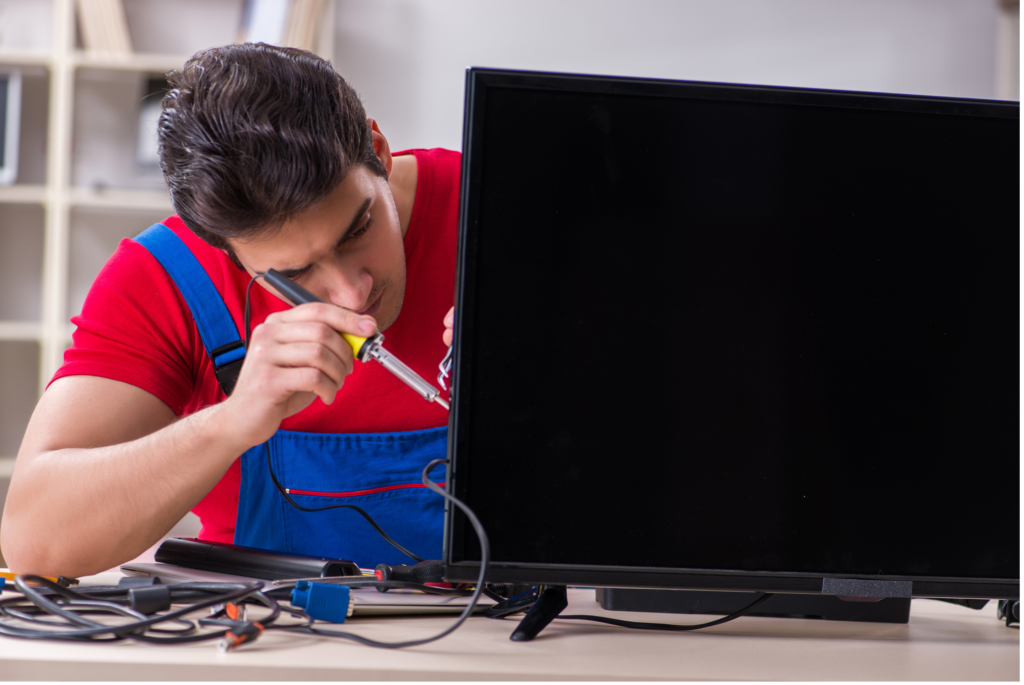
(378, 472)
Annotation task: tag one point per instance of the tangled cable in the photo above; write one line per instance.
(47, 611)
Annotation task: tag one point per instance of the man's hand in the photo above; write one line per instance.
(449, 324)
(294, 357)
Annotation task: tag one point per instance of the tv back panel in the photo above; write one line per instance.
(713, 336)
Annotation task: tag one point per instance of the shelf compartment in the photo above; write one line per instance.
(104, 137)
(35, 113)
(21, 262)
(19, 367)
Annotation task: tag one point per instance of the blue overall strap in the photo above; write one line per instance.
(216, 327)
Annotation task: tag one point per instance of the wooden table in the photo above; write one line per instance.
(941, 642)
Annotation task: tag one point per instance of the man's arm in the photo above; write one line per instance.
(105, 470)
(89, 492)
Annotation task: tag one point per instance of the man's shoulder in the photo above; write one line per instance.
(438, 168)
(443, 157)
(440, 171)
(436, 155)
(134, 271)
(135, 327)
(435, 211)
(447, 163)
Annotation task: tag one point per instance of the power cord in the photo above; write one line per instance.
(669, 626)
(525, 601)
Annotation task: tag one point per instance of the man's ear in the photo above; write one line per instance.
(380, 145)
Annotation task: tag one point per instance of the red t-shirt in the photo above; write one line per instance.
(135, 327)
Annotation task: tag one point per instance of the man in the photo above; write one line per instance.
(271, 163)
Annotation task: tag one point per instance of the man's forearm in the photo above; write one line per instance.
(78, 511)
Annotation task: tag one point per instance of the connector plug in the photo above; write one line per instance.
(331, 603)
(236, 637)
(150, 600)
(233, 612)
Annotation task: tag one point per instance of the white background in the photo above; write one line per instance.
(408, 57)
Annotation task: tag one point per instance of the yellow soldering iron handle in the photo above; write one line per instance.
(297, 295)
(355, 342)
(361, 346)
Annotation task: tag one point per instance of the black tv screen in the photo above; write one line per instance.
(717, 336)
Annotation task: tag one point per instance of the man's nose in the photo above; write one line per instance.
(350, 288)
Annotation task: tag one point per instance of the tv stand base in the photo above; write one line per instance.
(827, 607)
(549, 604)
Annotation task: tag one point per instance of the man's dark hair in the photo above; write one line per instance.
(252, 134)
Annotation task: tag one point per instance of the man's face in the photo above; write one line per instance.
(347, 250)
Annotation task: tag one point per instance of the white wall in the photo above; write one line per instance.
(407, 58)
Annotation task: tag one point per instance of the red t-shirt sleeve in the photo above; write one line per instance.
(135, 327)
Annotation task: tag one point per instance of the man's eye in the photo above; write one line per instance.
(361, 231)
(295, 274)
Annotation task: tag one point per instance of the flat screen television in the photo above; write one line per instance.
(728, 337)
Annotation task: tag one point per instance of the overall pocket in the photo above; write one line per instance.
(377, 472)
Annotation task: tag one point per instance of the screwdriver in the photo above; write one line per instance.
(364, 349)
(423, 572)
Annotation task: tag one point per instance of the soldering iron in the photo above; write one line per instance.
(364, 349)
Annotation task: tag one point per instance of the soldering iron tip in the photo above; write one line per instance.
(442, 403)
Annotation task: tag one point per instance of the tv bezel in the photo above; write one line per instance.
(478, 81)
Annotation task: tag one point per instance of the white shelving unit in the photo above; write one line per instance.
(60, 224)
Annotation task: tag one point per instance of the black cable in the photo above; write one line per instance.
(281, 488)
(57, 613)
(376, 527)
(485, 555)
(491, 594)
(524, 601)
(227, 593)
(669, 626)
(247, 289)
